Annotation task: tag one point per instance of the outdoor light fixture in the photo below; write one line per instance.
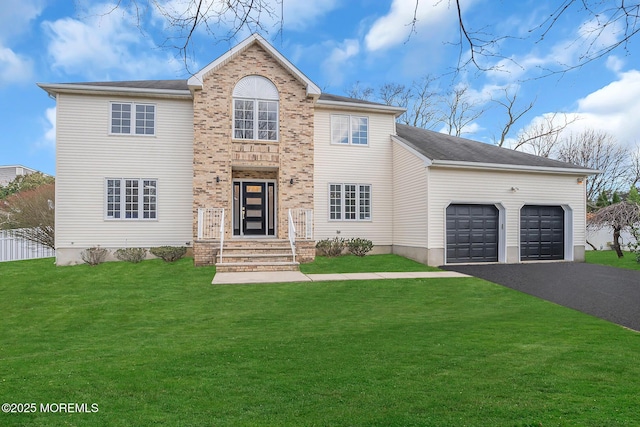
(291, 181)
(217, 179)
(514, 189)
(580, 180)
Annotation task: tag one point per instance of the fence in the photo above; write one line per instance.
(13, 248)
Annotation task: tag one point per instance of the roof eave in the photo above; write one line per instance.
(351, 105)
(513, 167)
(54, 89)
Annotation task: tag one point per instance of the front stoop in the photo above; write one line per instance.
(256, 255)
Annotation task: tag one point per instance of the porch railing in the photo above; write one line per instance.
(211, 225)
(300, 227)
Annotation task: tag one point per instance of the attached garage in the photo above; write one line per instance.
(542, 231)
(472, 233)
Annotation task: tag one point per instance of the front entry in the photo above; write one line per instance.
(254, 208)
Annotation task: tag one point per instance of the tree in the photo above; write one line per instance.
(597, 150)
(595, 41)
(619, 216)
(633, 196)
(31, 213)
(25, 182)
(513, 114)
(460, 111)
(542, 137)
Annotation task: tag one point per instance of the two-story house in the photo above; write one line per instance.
(250, 164)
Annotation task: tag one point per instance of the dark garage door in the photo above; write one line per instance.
(472, 233)
(541, 233)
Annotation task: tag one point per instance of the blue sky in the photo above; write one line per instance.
(336, 43)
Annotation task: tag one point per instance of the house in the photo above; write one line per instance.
(250, 164)
(10, 172)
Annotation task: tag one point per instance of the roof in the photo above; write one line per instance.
(344, 102)
(447, 150)
(165, 88)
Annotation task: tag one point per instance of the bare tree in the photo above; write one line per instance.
(597, 150)
(635, 166)
(460, 110)
(599, 17)
(543, 136)
(513, 113)
(357, 91)
(619, 216)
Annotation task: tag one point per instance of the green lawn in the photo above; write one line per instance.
(367, 264)
(610, 258)
(157, 344)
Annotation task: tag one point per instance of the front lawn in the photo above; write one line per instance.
(157, 344)
(610, 258)
(368, 264)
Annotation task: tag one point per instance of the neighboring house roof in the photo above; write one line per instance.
(439, 149)
(196, 80)
(9, 172)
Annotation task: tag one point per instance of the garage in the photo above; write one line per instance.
(472, 233)
(541, 233)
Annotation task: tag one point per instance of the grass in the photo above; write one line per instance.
(367, 264)
(157, 344)
(610, 258)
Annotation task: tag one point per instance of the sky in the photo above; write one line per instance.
(337, 44)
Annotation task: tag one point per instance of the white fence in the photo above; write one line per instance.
(13, 248)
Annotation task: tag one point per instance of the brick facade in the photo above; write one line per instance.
(219, 159)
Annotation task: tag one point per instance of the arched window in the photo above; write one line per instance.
(255, 109)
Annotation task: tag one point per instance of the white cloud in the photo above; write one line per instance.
(102, 44)
(612, 109)
(14, 68)
(15, 19)
(432, 18)
(49, 139)
(300, 14)
(337, 63)
(614, 63)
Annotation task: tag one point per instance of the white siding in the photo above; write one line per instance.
(448, 185)
(410, 197)
(349, 164)
(86, 155)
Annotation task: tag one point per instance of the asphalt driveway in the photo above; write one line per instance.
(609, 293)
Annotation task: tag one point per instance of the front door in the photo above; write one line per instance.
(254, 212)
(254, 208)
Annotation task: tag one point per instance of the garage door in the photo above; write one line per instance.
(541, 233)
(472, 233)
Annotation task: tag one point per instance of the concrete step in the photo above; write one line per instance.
(228, 267)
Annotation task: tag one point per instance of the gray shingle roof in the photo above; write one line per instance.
(439, 146)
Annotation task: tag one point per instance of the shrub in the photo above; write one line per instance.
(331, 247)
(134, 255)
(359, 247)
(94, 256)
(169, 253)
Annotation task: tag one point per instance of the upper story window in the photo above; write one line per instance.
(255, 109)
(352, 130)
(128, 118)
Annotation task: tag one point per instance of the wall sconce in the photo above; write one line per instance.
(217, 179)
(580, 180)
(514, 189)
(291, 181)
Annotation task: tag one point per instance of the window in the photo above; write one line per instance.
(133, 119)
(352, 130)
(350, 202)
(131, 198)
(255, 109)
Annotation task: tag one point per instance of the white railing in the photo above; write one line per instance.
(13, 248)
(303, 223)
(292, 235)
(211, 225)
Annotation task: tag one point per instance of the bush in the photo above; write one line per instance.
(94, 256)
(359, 247)
(134, 255)
(331, 247)
(169, 253)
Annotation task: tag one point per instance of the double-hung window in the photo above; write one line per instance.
(349, 130)
(255, 109)
(350, 202)
(128, 118)
(131, 198)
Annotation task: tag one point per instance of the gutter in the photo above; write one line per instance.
(351, 105)
(56, 88)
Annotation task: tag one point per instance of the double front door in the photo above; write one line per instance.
(254, 209)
